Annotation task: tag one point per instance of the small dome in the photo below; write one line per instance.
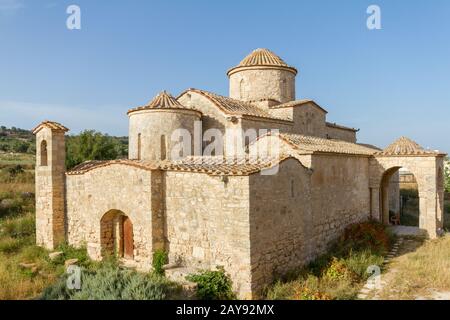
(404, 147)
(163, 101)
(262, 57)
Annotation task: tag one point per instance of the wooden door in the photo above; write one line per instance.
(128, 245)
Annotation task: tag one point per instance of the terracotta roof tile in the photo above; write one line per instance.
(55, 126)
(209, 165)
(312, 144)
(262, 57)
(236, 107)
(163, 101)
(405, 147)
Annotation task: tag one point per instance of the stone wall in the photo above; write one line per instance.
(150, 133)
(280, 222)
(340, 195)
(340, 134)
(207, 219)
(132, 191)
(50, 218)
(250, 84)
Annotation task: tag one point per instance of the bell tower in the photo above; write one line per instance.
(50, 184)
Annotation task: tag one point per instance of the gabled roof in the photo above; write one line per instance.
(54, 126)
(243, 166)
(233, 107)
(298, 103)
(310, 145)
(262, 58)
(163, 101)
(406, 147)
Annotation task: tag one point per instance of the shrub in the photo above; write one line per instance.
(70, 252)
(339, 273)
(362, 236)
(109, 282)
(213, 285)
(160, 258)
(337, 270)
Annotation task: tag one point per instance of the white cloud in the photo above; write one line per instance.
(11, 6)
(26, 115)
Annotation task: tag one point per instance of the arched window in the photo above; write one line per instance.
(163, 148)
(139, 146)
(241, 89)
(44, 153)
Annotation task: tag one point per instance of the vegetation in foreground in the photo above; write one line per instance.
(424, 270)
(339, 274)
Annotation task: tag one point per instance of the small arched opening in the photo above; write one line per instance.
(399, 198)
(139, 147)
(163, 144)
(242, 89)
(44, 154)
(116, 235)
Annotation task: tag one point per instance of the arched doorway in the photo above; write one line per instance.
(399, 197)
(116, 235)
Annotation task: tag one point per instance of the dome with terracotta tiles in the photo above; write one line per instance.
(163, 100)
(405, 147)
(262, 58)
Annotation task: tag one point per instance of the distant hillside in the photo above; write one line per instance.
(16, 140)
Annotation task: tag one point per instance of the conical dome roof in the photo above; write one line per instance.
(405, 147)
(262, 57)
(163, 100)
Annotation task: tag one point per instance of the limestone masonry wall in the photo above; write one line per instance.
(280, 222)
(341, 134)
(118, 187)
(263, 83)
(340, 195)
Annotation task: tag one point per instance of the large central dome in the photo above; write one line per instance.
(262, 57)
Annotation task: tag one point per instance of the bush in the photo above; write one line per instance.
(364, 236)
(341, 272)
(160, 258)
(109, 282)
(213, 285)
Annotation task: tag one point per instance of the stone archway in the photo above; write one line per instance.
(116, 235)
(425, 165)
(399, 204)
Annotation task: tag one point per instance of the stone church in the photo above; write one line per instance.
(229, 207)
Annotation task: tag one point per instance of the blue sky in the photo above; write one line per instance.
(389, 82)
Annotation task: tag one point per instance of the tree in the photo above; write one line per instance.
(90, 145)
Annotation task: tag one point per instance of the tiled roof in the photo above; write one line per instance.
(338, 126)
(55, 126)
(315, 144)
(235, 107)
(209, 165)
(163, 101)
(95, 164)
(262, 57)
(224, 166)
(297, 103)
(405, 147)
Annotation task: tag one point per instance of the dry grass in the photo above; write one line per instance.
(420, 272)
